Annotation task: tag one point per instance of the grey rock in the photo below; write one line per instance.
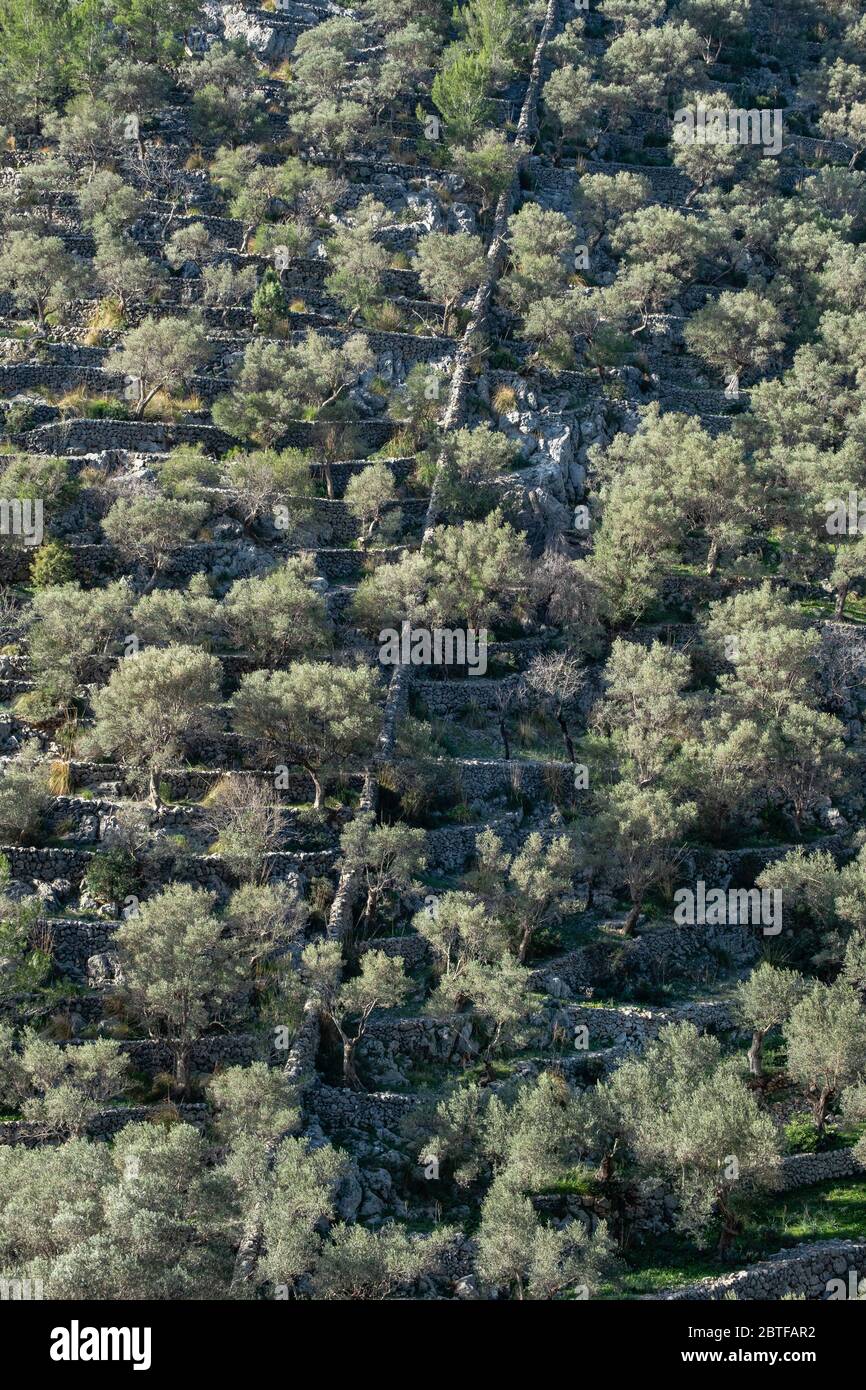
(103, 970)
(467, 1288)
(350, 1194)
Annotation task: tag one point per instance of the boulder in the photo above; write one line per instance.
(103, 970)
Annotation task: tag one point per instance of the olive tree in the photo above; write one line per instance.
(191, 242)
(634, 838)
(542, 245)
(314, 714)
(249, 821)
(386, 858)
(108, 205)
(61, 1089)
(72, 633)
(190, 615)
(349, 1004)
(601, 200)
(449, 264)
(527, 890)
(278, 384)
(741, 331)
(479, 572)
(359, 261)
(272, 483)
(278, 616)
(24, 793)
(719, 22)
(644, 707)
(161, 355)
(146, 1217)
(180, 970)
(265, 917)
(354, 1262)
(687, 1116)
(558, 678)
(489, 164)
(39, 273)
(843, 115)
(123, 271)
(460, 928)
(825, 1036)
(764, 1000)
(370, 498)
(517, 1252)
(148, 529)
(571, 96)
(153, 703)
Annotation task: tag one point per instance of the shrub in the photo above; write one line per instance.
(111, 875)
(801, 1135)
(24, 793)
(19, 418)
(269, 301)
(52, 564)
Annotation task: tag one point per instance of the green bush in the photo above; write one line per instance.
(801, 1135)
(269, 301)
(111, 875)
(52, 564)
(18, 418)
(106, 410)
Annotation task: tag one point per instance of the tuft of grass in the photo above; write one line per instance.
(106, 317)
(59, 778)
(385, 318)
(504, 399)
(166, 407)
(400, 445)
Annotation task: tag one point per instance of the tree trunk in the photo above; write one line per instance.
(713, 556)
(145, 400)
(730, 1227)
(756, 1054)
(153, 791)
(350, 1076)
(604, 1172)
(329, 479)
(560, 719)
(319, 799)
(523, 949)
(841, 599)
(181, 1069)
(370, 909)
(503, 733)
(631, 920)
(822, 1107)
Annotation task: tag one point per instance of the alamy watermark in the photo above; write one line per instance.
(850, 1288)
(435, 646)
(716, 125)
(718, 907)
(846, 516)
(77, 1343)
(18, 1290)
(23, 517)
